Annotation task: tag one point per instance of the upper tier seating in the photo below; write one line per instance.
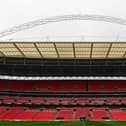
(106, 86)
(44, 86)
(63, 86)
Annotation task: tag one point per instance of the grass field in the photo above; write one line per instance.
(109, 123)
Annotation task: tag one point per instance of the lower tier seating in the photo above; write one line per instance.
(99, 114)
(24, 113)
(82, 113)
(118, 114)
(65, 114)
(45, 115)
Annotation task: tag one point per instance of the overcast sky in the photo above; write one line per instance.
(16, 12)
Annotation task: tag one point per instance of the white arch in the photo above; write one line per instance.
(62, 18)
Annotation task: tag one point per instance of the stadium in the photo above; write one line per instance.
(63, 81)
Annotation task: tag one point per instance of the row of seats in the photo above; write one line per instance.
(62, 101)
(43, 86)
(63, 86)
(118, 114)
(54, 114)
(107, 86)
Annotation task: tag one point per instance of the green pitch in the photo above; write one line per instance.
(112, 123)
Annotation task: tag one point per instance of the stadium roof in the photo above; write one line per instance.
(79, 38)
(64, 50)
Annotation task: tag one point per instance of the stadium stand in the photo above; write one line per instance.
(55, 100)
(62, 100)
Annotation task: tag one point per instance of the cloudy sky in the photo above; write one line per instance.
(16, 12)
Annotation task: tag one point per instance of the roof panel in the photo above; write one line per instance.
(67, 56)
(8, 49)
(101, 45)
(118, 49)
(119, 45)
(46, 49)
(12, 53)
(82, 45)
(65, 53)
(99, 53)
(7, 45)
(64, 45)
(28, 49)
(48, 53)
(82, 49)
(25, 45)
(82, 53)
(47, 45)
(64, 50)
(100, 49)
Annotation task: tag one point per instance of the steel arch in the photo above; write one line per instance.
(54, 19)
